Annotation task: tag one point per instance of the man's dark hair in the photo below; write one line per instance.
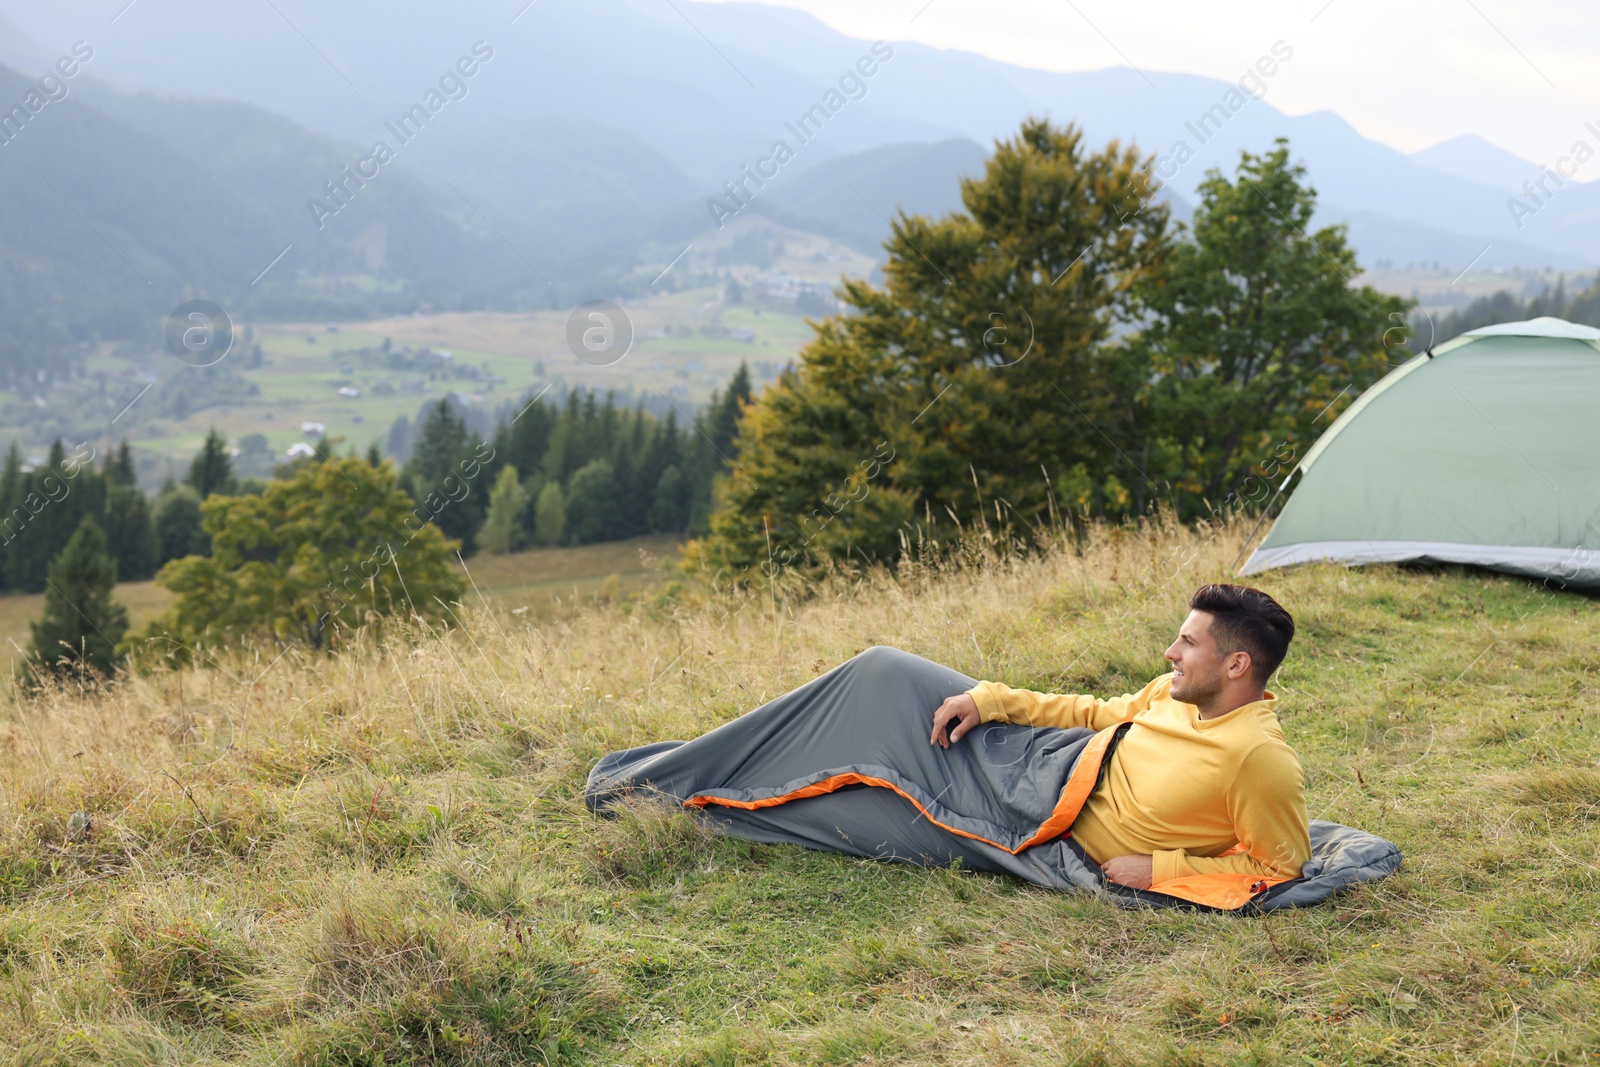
(1247, 620)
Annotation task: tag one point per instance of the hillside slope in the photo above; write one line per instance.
(384, 858)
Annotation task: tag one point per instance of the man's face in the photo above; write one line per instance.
(1197, 668)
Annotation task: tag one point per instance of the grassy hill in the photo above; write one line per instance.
(384, 858)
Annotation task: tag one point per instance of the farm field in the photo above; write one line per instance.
(384, 858)
(538, 581)
(339, 376)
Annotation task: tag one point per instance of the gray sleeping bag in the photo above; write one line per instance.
(843, 764)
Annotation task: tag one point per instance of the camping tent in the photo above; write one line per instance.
(1484, 451)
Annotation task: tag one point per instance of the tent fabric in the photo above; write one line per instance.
(1544, 326)
(1482, 453)
(1512, 559)
(843, 764)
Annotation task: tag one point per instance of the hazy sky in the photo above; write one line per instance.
(1410, 73)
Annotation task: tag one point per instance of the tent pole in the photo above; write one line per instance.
(1264, 513)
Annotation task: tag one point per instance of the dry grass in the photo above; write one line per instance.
(144, 601)
(384, 858)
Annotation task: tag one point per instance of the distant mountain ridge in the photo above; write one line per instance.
(584, 156)
(1476, 159)
(707, 87)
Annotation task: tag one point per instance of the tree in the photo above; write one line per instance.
(725, 412)
(10, 499)
(591, 503)
(670, 511)
(973, 367)
(211, 471)
(398, 443)
(49, 504)
(82, 624)
(316, 556)
(528, 437)
(550, 513)
(131, 533)
(179, 525)
(501, 534)
(437, 471)
(120, 469)
(1255, 329)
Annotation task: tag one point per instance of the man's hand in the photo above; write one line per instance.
(960, 714)
(1135, 872)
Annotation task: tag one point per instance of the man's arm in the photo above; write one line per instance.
(1267, 803)
(1024, 707)
(993, 702)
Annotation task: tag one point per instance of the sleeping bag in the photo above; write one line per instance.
(843, 764)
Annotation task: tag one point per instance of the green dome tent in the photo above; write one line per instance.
(1485, 451)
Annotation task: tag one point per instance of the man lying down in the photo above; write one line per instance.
(1184, 793)
(1204, 770)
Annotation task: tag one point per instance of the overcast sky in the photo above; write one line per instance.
(1410, 73)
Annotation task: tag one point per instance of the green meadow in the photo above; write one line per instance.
(383, 857)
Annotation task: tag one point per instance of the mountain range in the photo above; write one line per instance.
(590, 142)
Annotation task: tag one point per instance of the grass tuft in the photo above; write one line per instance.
(1569, 793)
(185, 966)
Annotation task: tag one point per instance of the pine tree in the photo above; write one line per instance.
(501, 533)
(529, 437)
(212, 469)
(131, 533)
(566, 450)
(725, 412)
(51, 501)
(10, 500)
(82, 623)
(439, 466)
(442, 442)
(120, 469)
(629, 507)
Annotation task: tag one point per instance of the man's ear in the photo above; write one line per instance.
(1238, 665)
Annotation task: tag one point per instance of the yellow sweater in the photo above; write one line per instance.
(1179, 788)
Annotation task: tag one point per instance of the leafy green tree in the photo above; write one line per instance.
(550, 511)
(964, 379)
(314, 557)
(180, 528)
(670, 511)
(81, 624)
(592, 503)
(1255, 329)
(501, 533)
(211, 471)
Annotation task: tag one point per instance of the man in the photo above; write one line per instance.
(1204, 769)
